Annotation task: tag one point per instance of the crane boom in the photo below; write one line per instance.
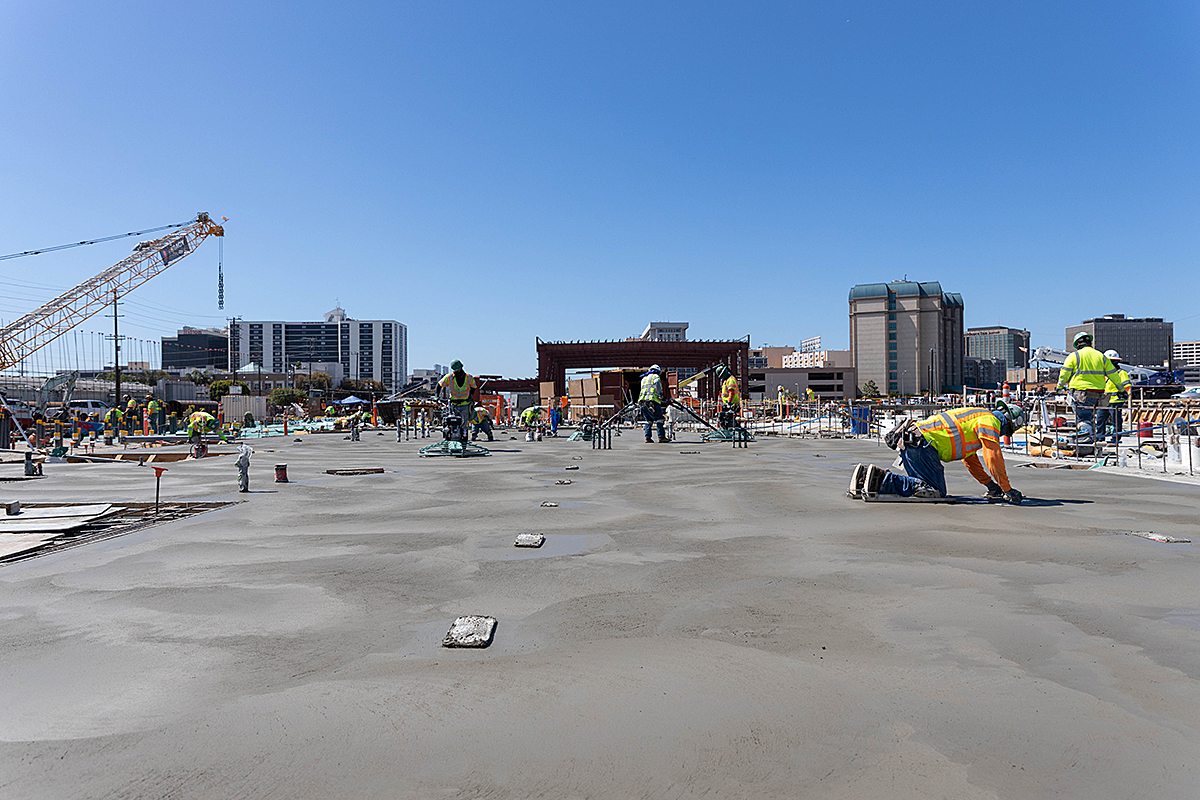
(25, 336)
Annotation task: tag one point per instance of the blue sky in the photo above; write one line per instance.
(491, 172)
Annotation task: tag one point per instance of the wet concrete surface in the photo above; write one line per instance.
(723, 624)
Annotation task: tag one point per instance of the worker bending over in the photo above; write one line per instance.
(1084, 374)
(731, 398)
(960, 434)
(462, 390)
(653, 396)
(482, 423)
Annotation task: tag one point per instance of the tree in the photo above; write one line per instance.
(199, 378)
(285, 397)
(318, 380)
(869, 389)
(365, 386)
(218, 389)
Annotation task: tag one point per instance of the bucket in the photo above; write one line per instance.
(281, 473)
(1145, 431)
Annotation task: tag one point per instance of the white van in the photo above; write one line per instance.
(89, 406)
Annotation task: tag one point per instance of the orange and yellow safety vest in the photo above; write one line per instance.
(959, 432)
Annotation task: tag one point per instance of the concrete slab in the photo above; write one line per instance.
(471, 630)
(729, 626)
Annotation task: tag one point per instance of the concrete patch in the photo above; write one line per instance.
(470, 631)
(529, 540)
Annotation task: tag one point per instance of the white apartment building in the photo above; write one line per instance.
(366, 349)
(818, 359)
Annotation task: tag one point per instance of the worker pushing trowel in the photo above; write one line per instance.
(958, 434)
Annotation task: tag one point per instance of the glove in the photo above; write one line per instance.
(1013, 496)
(993, 490)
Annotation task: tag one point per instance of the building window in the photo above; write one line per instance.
(892, 317)
(892, 386)
(891, 337)
(891, 326)
(891, 345)
(892, 376)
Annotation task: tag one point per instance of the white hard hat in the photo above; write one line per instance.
(1112, 355)
(655, 368)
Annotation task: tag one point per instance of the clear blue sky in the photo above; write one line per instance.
(491, 172)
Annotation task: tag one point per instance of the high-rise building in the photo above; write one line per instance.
(365, 349)
(810, 359)
(997, 343)
(1142, 342)
(906, 336)
(196, 348)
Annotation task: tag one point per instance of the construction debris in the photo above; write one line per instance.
(572, 466)
(470, 631)
(360, 471)
(548, 504)
(1159, 537)
(529, 540)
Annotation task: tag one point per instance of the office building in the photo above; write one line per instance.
(907, 337)
(196, 348)
(366, 349)
(827, 384)
(984, 373)
(997, 343)
(769, 357)
(665, 332)
(810, 345)
(1142, 342)
(1186, 354)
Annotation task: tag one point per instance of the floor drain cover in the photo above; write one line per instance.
(470, 631)
(363, 471)
(529, 540)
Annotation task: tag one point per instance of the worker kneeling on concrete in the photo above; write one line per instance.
(960, 434)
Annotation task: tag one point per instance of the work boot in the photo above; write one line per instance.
(649, 440)
(858, 479)
(892, 438)
(663, 440)
(925, 492)
(873, 480)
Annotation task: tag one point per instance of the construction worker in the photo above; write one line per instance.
(154, 410)
(809, 394)
(481, 423)
(555, 417)
(199, 423)
(112, 420)
(653, 396)
(1115, 398)
(531, 416)
(1084, 374)
(731, 397)
(960, 434)
(462, 390)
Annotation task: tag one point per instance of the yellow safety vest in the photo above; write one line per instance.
(651, 388)
(201, 420)
(1088, 369)
(1116, 396)
(731, 393)
(957, 433)
(458, 393)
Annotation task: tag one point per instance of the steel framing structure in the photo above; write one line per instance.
(555, 358)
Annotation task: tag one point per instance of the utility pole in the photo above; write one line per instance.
(116, 355)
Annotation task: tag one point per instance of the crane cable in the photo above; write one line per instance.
(96, 241)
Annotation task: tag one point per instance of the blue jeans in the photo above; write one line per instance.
(1085, 408)
(1103, 416)
(922, 464)
(653, 412)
